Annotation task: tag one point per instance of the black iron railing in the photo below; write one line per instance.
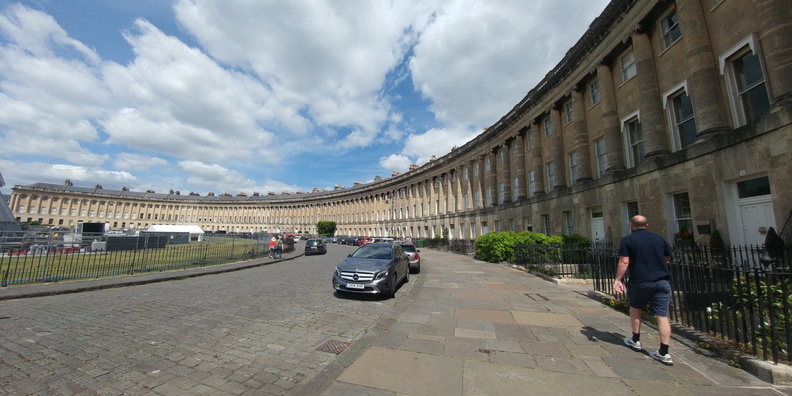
(45, 256)
(461, 246)
(741, 294)
(560, 259)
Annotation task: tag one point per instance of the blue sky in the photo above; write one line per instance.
(231, 96)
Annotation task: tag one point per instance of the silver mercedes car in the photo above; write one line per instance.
(374, 268)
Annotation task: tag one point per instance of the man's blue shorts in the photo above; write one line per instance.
(657, 294)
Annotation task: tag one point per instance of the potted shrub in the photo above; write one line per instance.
(683, 238)
(717, 247)
(773, 252)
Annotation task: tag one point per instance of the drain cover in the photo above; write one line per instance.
(537, 297)
(334, 346)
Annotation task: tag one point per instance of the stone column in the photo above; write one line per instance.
(493, 174)
(614, 152)
(480, 182)
(581, 134)
(520, 164)
(464, 185)
(558, 150)
(453, 189)
(441, 194)
(775, 34)
(427, 197)
(40, 202)
(652, 122)
(538, 160)
(506, 176)
(704, 81)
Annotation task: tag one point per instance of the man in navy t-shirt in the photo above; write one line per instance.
(644, 257)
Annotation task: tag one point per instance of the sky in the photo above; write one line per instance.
(245, 96)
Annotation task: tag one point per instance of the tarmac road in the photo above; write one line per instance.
(253, 331)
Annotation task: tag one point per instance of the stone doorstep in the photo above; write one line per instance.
(557, 281)
(776, 374)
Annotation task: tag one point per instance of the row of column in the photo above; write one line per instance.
(775, 28)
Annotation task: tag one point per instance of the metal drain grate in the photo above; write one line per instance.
(537, 297)
(334, 346)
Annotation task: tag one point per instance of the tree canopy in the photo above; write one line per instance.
(326, 228)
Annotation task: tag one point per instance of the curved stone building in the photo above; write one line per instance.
(681, 111)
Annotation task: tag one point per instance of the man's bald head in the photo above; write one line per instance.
(638, 221)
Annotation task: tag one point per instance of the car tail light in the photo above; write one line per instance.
(417, 256)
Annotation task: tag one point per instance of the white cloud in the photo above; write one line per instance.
(269, 84)
(22, 172)
(38, 33)
(82, 174)
(217, 179)
(180, 102)
(133, 161)
(45, 100)
(478, 59)
(357, 138)
(132, 129)
(329, 59)
(33, 72)
(437, 142)
(395, 162)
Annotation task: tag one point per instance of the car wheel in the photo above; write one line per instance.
(392, 286)
(418, 268)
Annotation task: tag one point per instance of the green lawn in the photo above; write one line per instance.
(48, 267)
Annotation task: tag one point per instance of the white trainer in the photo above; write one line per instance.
(634, 345)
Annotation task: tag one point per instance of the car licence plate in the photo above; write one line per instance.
(355, 286)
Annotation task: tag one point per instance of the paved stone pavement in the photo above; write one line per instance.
(477, 328)
(462, 327)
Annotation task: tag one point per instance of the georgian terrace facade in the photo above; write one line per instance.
(681, 111)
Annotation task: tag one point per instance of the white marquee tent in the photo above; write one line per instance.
(196, 233)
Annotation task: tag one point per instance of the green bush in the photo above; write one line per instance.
(575, 256)
(496, 247)
(762, 304)
(576, 239)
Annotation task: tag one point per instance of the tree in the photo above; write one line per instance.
(326, 228)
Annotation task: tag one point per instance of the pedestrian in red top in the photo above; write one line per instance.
(272, 245)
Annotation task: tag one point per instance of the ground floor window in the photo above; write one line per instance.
(682, 213)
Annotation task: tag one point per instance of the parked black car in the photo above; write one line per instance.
(373, 268)
(315, 246)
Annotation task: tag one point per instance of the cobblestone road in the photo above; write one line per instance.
(248, 332)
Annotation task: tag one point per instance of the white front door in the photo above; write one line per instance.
(756, 219)
(597, 227)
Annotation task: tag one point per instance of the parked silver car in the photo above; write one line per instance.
(415, 259)
(373, 268)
